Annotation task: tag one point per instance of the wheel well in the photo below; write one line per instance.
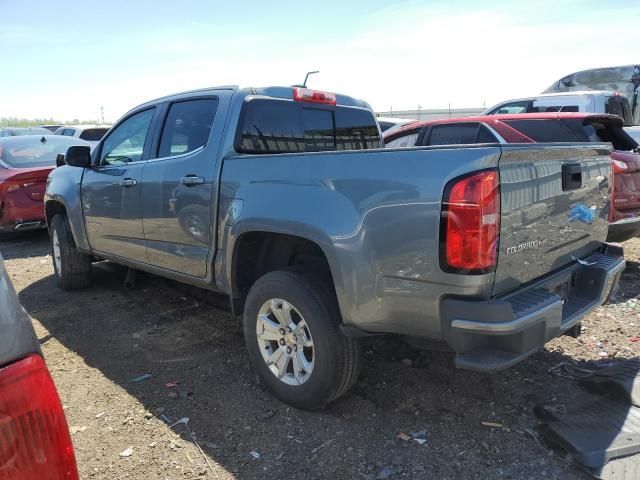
(52, 209)
(258, 253)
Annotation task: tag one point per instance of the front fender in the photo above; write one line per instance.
(63, 189)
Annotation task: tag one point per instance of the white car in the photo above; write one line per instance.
(389, 124)
(633, 132)
(588, 101)
(89, 133)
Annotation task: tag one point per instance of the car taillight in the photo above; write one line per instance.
(314, 96)
(470, 225)
(618, 166)
(34, 438)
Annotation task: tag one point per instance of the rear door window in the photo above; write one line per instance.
(453, 134)
(187, 126)
(282, 126)
(543, 130)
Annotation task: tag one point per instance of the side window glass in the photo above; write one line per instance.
(454, 134)
(126, 142)
(404, 141)
(485, 135)
(68, 132)
(187, 126)
(515, 107)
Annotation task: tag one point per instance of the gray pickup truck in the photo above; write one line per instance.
(283, 199)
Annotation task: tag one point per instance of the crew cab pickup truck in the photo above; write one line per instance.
(284, 199)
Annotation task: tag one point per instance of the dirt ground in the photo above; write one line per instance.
(98, 342)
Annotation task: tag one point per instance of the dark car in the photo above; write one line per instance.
(19, 131)
(25, 163)
(34, 437)
(546, 127)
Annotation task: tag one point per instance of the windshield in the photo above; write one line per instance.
(32, 151)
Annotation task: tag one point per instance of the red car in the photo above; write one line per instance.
(25, 163)
(546, 127)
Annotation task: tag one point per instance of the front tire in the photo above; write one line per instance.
(72, 267)
(291, 328)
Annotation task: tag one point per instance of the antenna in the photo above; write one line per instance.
(307, 77)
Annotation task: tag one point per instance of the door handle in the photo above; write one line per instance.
(191, 180)
(128, 182)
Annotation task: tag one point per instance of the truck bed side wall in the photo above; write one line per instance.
(375, 215)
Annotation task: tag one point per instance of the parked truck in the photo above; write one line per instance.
(283, 199)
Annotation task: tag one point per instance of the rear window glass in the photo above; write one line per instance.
(598, 130)
(32, 152)
(93, 134)
(547, 130)
(280, 126)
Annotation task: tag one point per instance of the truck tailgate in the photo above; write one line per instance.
(555, 207)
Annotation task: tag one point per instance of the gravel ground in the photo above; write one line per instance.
(98, 342)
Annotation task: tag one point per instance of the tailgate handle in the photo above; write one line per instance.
(571, 176)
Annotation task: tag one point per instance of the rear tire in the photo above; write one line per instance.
(317, 363)
(72, 267)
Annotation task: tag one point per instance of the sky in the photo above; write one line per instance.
(67, 60)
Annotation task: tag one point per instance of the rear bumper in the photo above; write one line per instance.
(624, 229)
(23, 226)
(498, 333)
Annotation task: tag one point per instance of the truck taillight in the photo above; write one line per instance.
(470, 224)
(34, 437)
(313, 96)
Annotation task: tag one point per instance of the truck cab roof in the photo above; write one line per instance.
(282, 92)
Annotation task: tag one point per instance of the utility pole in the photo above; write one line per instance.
(101, 115)
(419, 108)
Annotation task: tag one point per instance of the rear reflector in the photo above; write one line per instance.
(470, 226)
(34, 437)
(314, 96)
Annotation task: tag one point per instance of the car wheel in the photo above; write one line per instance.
(72, 267)
(291, 327)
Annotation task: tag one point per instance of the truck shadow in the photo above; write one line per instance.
(184, 339)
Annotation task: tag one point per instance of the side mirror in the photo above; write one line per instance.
(60, 161)
(78, 156)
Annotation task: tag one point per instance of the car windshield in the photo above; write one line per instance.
(93, 134)
(34, 151)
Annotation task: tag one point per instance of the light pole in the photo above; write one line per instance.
(307, 77)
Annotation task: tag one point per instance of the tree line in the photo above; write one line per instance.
(34, 122)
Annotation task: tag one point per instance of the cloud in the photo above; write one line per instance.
(401, 55)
